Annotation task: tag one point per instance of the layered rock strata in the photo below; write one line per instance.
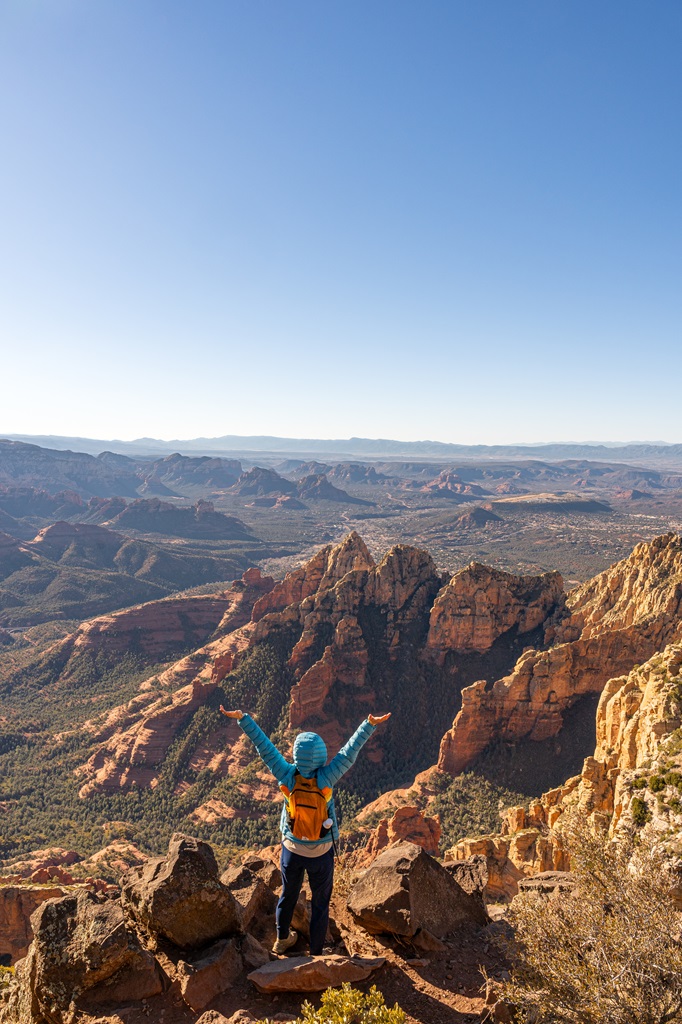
(480, 604)
(619, 619)
(133, 738)
(633, 778)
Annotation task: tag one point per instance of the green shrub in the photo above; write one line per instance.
(656, 784)
(640, 811)
(640, 783)
(673, 779)
(348, 1005)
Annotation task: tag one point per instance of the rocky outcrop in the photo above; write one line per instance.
(480, 604)
(638, 719)
(634, 776)
(317, 487)
(200, 521)
(408, 825)
(241, 598)
(321, 573)
(510, 858)
(262, 481)
(450, 485)
(619, 619)
(154, 629)
(180, 897)
(405, 892)
(53, 856)
(82, 956)
(477, 519)
(133, 755)
(133, 738)
(643, 590)
(343, 662)
(398, 593)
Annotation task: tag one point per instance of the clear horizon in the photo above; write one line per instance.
(352, 437)
(455, 221)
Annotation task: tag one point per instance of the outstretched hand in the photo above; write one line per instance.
(232, 714)
(378, 719)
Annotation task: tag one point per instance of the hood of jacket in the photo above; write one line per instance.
(310, 753)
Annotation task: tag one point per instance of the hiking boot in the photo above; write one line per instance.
(282, 945)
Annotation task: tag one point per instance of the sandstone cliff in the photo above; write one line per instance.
(480, 604)
(356, 635)
(134, 738)
(633, 778)
(620, 618)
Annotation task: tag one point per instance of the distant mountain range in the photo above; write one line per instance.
(360, 447)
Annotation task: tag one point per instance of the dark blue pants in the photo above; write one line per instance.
(321, 877)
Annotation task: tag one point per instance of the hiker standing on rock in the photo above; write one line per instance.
(308, 821)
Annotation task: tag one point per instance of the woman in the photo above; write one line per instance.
(307, 786)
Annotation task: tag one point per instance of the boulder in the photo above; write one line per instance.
(256, 901)
(254, 953)
(180, 897)
(205, 978)
(471, 874)
(265, 868)
(83, 955)
(236, 876)
(406, 890)
(312, 973)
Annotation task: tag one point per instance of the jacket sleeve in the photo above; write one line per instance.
(346, 757)
(267, 750)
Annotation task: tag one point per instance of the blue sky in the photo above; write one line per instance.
(448, 220)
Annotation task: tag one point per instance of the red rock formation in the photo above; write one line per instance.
(511, 859)
(17, 903)
(409, 825)
(620, 618)
(449, 485)
(153, 629)
(323, 571)
(242, 596)
(54, 856)
(344, 662)
(479, 604)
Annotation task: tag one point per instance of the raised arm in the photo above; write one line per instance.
(347, 756)
(267, 750)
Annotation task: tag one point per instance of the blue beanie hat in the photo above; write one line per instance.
(310, 753)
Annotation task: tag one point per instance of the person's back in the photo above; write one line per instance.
(307, 786)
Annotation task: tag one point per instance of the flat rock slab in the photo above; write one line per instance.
(313, 973)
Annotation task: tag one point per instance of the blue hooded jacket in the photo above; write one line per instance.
(310, 757)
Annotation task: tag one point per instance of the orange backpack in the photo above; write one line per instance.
(308, 808)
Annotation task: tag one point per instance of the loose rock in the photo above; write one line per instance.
(205, 978)
(312, 974)
(180, 896)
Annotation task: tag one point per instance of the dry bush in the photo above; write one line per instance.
(610, 953)
(345, 872)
